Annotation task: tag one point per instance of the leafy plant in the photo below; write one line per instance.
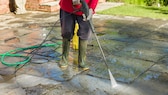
(150, 2)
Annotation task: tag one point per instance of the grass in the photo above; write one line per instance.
(138, 11)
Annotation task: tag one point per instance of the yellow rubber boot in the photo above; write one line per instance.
(75, 39)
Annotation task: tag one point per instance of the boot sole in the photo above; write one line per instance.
(63, 66)
(84, 68)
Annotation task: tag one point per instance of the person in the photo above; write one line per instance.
(70, 13)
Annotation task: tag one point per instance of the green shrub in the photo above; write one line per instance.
(165, 2)
(135, 2)
(142, 2)
(155, 2)
(150, 2)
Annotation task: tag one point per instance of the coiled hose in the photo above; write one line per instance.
(13, 53)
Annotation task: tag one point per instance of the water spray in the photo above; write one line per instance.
(85, 10)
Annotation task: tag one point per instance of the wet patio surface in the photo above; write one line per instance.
(135, 49)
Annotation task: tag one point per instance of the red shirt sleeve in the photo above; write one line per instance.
(92, 4)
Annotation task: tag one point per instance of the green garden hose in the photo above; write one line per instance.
(12, 53)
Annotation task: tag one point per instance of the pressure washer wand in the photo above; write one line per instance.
(85, 10)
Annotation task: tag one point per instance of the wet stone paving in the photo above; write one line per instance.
(136, 51)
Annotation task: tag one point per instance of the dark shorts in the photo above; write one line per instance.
(68, 21)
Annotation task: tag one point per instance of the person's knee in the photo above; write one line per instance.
(67, 35)
(84, 36)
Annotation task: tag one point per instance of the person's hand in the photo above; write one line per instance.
(89, 16)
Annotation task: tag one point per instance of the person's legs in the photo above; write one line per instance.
(84, 34)
(67, 27)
